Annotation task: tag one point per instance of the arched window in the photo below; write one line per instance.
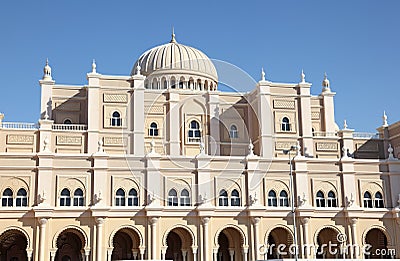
(194, 133)
(133, 199)
(233, 132)
(22, 198)
(7, 198)
(116, 119)
(67, 121)
(65, 198)
(78, 198)
(235, 198)
(223, 198)
(283, 199)
(165, 84)
(272, 201)
(378, 200)
(185, 199)
(367, 200)
(332, 199)
(172, 198)
(153, 130)
(320, 200)
(120, 197)
(285, 124)
(172, 83)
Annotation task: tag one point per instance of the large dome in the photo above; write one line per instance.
(176, 58)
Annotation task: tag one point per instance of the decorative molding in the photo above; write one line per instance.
(284, 104)
(113, 141)
(115, 98)
(284, 145)
(327, 146)
(315, 115)
(20, 139)
(152, 109)
(69, 140)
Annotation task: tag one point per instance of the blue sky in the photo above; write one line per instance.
(356, 42)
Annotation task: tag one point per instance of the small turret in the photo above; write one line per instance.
(326, 84)
(47, 72)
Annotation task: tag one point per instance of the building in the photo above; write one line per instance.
(160, 164)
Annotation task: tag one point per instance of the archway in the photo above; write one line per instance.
(70, 245)
(126, 243)
(13, 245)
(379, 244)
(230, 244)
(327, 244)
(179, 244)
(279, 243)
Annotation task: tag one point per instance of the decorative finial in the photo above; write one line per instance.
(390, 150)
(152, 145)
(94, 66)
(202, 147)
(251, 149)
(384, 118)
(298, 149)
(47, 71)
(262, 74)
(345, 125)
(100, 146)
(173, 40)
(325, 83)
(138, 68)
(303, 76)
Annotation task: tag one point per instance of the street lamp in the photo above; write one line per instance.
(287, 152)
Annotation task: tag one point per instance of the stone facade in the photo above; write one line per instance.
(162, 165)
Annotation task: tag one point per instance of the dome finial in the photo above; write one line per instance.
(262, 74)
(302, 76)
(47, 71)
(173, 36)
(94, 66)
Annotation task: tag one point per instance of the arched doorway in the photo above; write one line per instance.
(70, 244)
(13, 245)
(279, 244)
(126, 244)
(327, 244)
(230, 243)
(179, 243)
(378, 242)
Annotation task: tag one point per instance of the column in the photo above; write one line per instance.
(194, 251)
(264, 112)
(163, 252)
(305, 247)
(42, 238)
(142, 249)
(245, 250)
(173, 124)
(305, 126)
(231, 253)
(354, 240)
(99, 239)
(256, 222)
(215, 254)
(153, 222)
(53, 254)
(184, 253)
(136, 111)
(87, 254)
(205, 239)
(94, 117)
(213, 113)
(109, 253)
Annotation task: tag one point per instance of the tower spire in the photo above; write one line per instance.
(173, 40)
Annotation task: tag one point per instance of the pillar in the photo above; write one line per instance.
(87, 254)
(256, 222)
(136, 111)
(194, 251)
(184, 254)
(99, 239)
(215, 254)
(213, 113)
(328, 110)
(245, 250)
(305, 246)
(265, 116)
(173, 123)
(42, 238)
(356, 252)
(231, 253)
(109, 253)
(94, 117)
(153, 222)
(163, 252)
(205, 255)
(305, 124)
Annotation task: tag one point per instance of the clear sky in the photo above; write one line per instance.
(356, 42)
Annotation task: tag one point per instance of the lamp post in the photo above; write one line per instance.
(297, 149)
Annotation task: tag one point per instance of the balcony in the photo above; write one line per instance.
(18, 125)
(69, 127)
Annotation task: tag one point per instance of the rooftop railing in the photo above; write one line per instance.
(18, 125)
(324, 134)
(366, 135)
(69, 127)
